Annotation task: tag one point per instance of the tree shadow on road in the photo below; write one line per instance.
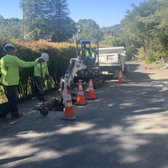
(125, 127)
(13, 159)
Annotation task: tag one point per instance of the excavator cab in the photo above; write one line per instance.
(87, 52)
(84, 67)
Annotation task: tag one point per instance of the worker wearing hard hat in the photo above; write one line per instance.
(85, 51)
(9, 66)
(40, 73)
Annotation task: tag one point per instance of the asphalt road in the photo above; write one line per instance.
(126, 127)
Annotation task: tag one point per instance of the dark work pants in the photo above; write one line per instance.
(11, 93)
(39, 85)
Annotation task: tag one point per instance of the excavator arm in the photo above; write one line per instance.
(75, 65)
(84, 61)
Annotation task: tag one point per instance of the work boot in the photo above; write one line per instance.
(3, 120)
(3, 115)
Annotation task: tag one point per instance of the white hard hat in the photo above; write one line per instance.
(45, 56)
(9, 46)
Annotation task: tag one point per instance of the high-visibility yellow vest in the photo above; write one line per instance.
(9, 66)
(37, 69)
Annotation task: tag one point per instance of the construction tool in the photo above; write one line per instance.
(43, 110)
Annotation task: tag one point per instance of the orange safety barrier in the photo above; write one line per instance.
(120, 78)
(145, 66)
(91, 93)
(69, 112)
(80, 100)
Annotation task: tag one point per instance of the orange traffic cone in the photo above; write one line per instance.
(91, 94)
(80, 100)
(120, 77)
(69, 112)
(145, 67)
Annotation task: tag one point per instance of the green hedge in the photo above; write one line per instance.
(60, 54)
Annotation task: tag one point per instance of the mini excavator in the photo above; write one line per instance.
(84, 67)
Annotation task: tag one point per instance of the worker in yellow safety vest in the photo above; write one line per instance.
(85, 52)
(40, 73)
(9, 67)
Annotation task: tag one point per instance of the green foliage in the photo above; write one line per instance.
(60, 55)
(88, 28)
(47, 19)
(10, 28)
(139, 28)
(115, 30)
(144, 28)
(2, 95)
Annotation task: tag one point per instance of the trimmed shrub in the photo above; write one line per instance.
(60, 55)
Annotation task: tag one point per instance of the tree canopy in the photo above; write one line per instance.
(143, 31)
(47, 19)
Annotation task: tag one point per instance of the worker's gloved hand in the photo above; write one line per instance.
(40, 60)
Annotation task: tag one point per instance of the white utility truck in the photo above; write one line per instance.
(112, 61)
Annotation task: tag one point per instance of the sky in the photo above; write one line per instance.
(105, 13)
